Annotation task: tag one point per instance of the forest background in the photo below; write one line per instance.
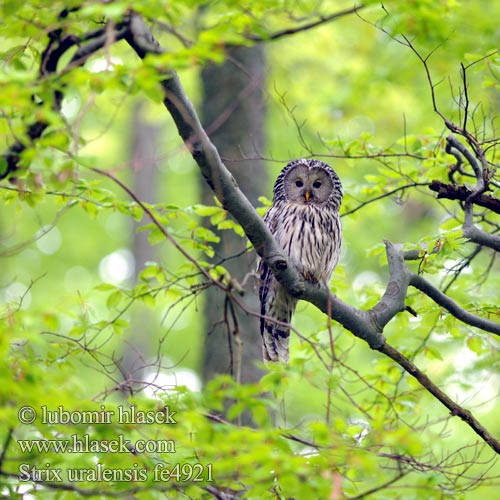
(125, 280)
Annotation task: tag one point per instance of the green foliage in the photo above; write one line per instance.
(338, 420)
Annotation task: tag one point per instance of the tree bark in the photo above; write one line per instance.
(144, 140)
(233, 115)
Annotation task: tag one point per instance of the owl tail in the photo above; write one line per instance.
(276, 336)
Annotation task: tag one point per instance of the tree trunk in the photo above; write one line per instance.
(144, 140)
(233, 115)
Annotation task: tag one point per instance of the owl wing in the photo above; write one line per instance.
(276, 307)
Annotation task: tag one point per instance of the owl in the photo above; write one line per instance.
(304, 219)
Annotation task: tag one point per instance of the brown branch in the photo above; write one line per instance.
(58, 45)
(455, 409)
(462, 193)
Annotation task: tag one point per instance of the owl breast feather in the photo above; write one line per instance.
(311, 236)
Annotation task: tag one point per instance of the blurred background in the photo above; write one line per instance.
(75, 251)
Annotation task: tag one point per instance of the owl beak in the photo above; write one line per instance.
(307, 194)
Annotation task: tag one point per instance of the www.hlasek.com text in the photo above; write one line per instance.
(85, 444)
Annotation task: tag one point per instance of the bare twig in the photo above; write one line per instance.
(305, 27)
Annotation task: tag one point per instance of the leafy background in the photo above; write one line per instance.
(346, 92)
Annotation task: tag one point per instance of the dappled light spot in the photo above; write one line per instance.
(364, 279)
(158, 382)
(49, 240)
(117, 267)
(104, 64)
(77, 278)
(17, 293)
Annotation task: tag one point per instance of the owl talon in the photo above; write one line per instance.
(308, 276)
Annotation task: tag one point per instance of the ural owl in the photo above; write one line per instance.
(304, 219)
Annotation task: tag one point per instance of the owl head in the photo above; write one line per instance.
(308, 182)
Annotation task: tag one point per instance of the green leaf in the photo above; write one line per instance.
(156, 236)
(432, 353)
(3, 166)
(114, 299)
(475, 344)
(207, 211)
(105, 287)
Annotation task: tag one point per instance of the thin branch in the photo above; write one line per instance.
(455, 409)
(380, 487)
(456, 148)
(9, 252)
(457, 269)
(453, 143)
(305, 27)
(385, 195)
(452, 307)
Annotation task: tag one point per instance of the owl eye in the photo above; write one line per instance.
(299, 183)
(316, 184)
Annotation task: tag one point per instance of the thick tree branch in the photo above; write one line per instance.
(366, 325)
(462, 193)
(58, 45)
